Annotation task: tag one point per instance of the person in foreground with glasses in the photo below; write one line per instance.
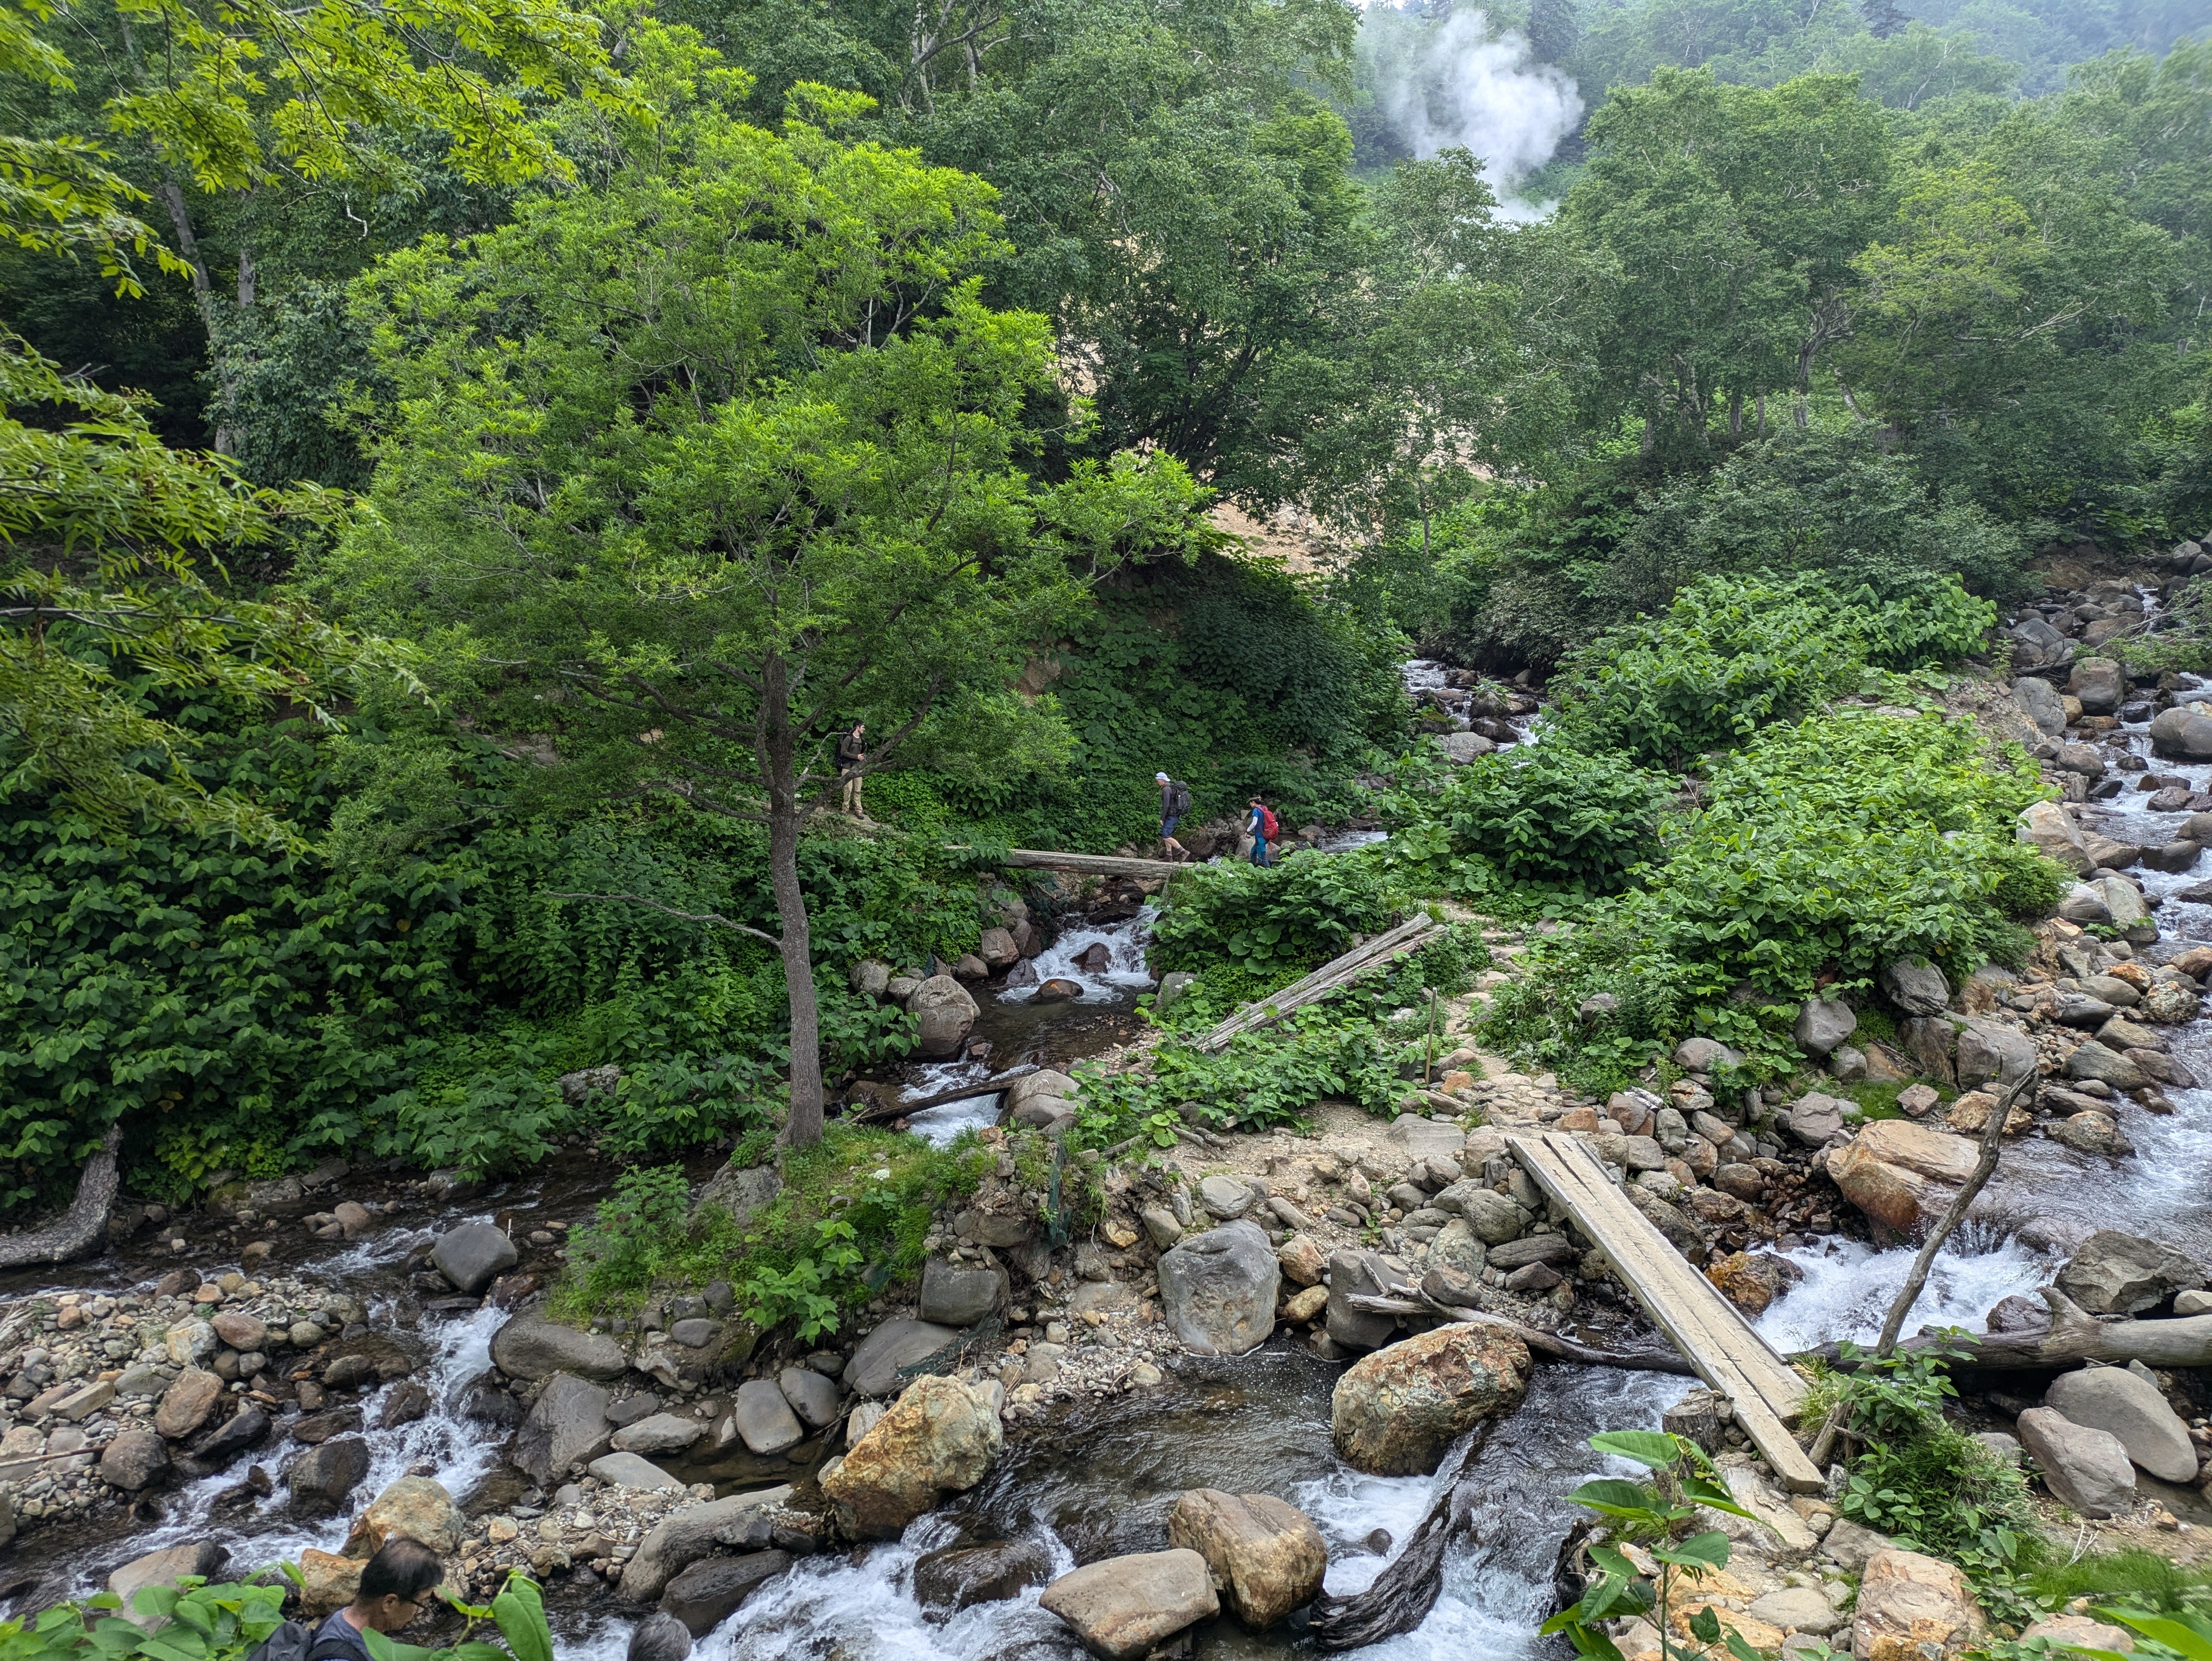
(396, 1584)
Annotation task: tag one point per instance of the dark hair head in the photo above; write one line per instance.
(405, 1568)
(660, 1638)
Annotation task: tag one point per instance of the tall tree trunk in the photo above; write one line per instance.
(180, 218)
(1762, 415)
(802, 1127)
(1735, 414)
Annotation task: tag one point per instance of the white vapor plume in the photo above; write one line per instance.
(1462, 88)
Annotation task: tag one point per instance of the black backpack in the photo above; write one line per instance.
(1178, 798)
(296, 1641)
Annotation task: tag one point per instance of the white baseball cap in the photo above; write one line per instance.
(1160, 777)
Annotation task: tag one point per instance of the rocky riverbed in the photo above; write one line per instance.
(1159, 1437)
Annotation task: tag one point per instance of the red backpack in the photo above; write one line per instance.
(1268, 827)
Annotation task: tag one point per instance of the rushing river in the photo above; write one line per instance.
(1099, 1480)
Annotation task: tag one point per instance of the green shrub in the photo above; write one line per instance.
(1824, 849)
(1295, 915)
(850, 1218)
(1734, 654)
(1545, 813)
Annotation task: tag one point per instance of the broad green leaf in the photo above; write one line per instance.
(1652, 1449)
(521, 1611)
(1713, 1496)
(1709, 1550)
(1616, 1497)
(2181, 1640)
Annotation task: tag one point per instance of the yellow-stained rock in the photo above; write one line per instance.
(1396, 1412)
(1265, 1555)
(939, 1437)
(1906, 1601)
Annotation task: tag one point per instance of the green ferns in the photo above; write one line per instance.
(1732, 653)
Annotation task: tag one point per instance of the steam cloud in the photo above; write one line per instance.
(1489, 96)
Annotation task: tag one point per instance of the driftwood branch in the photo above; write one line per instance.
(1332, 976)
(2072, 1338)
(83, 1226)
(883, 1112)
(1540, 1342)
(1404, 1593)
(1088, 865)
(1984, 1167)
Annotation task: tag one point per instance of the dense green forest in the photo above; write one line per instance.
(457, 473)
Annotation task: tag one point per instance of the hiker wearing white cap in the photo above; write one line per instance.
(1174, 802)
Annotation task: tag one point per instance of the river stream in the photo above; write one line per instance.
(1098, 1480)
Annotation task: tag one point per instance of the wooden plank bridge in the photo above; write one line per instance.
(1765, 1392)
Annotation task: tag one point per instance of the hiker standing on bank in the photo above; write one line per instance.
(1263, 829)
(1174, 802)
(851, 752)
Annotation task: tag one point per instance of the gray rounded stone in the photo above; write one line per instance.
(473, 1256)
(812, 1397)
(1218, 1289)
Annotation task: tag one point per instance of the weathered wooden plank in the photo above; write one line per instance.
(1404, 937)
(1088, 865)
(1712, 1333)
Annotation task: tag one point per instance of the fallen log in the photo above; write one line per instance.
(1403, 1594)
(1540, 1342)
(1087, 865)
(2073, 1337)
(83, 1226)
(883, 1112)
(1338, 972)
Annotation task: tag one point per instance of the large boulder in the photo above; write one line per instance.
(2132, 1409)
(2049, 829)
(1823, 1025)
(2105, 1066)
(2121, 899)
(1416, 1138)
(1990, 1052)
(2100, 684)
(2185, 733)
(946, 1014)
(1492, 1217)
(189, 1402)
(1912, 1607)
(567, 1427)
(1124, 1607)
(709, 1592)
(956, 1296)
(960, 1577)
(631, 1470)
(413, 1508)
(1354, 1273)
(812, 1397)
(2086, 1469)
(940, 1437)
(1396, 1412)
(743, 1191)
(738, 1523)
(2116, 1274)
(323, 1476)
(2039, 699)
(532, 1347)
(1044, 1084)
(874, 1368)
(1903, 1176)
(135, 1460)
(1267, 1555)
(473, 1256)
(660, 1433)
(1917, 988)
(164, 1568)
(763, 1417)
(1218, 1289)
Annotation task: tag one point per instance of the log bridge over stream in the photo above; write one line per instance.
(1765, 1392)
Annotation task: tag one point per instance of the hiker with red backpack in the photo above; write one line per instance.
(1263, 829)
